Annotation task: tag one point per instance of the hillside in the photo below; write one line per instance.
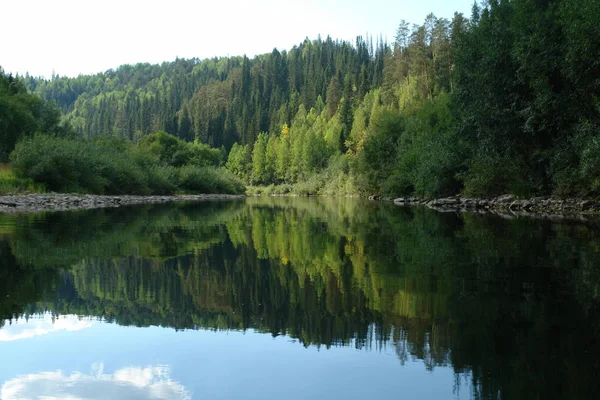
(506, 101)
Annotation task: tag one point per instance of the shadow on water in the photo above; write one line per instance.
(511, 304)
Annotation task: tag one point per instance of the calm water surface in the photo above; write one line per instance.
(296, 298)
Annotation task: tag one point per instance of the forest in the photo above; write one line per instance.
(505, 100)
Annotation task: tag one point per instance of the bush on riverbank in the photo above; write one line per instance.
(335, 180)
(10, 183)
(173, 151)
(194, 179)
(111, 166)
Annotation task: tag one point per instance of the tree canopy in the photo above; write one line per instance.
(505, 101)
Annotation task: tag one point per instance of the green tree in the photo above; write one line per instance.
(259, 159)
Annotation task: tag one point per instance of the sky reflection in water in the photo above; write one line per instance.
(296, 299)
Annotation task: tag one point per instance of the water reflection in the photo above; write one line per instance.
(39, 325)
(511, 304)
(132, 383)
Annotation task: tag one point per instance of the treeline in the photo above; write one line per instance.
(218, 101)
(503, 102)
(23, 113)
(46, 154)
(506, 102)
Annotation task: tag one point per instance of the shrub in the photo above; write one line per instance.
(162, 179)
(310, 186)
(176, 152)
(576, 162)
(60, 164)
(11, 183)
(491, 174)
(112, 166)
(208, 180)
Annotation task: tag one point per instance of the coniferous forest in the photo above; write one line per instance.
(505, 100)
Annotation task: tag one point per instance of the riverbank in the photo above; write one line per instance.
(505, 204)
(64, 202)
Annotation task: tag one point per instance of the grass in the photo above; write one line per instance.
(11, 184)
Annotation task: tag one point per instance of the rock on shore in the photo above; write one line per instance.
(507, 203)
(63, 202)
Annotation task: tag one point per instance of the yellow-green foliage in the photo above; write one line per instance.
(176, 152)
(10, 183)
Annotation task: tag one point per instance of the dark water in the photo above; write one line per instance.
(297, 299)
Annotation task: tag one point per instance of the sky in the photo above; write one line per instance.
(72, 37)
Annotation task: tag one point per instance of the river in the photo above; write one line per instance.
(297, 298)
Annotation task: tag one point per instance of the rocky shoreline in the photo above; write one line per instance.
(504, 205)
(63, 202)
(507, 205)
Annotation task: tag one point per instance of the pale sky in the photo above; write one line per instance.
(75, 37)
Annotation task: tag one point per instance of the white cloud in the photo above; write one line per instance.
(133, 383)
(43, 325)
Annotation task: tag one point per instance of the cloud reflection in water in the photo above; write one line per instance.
(41, 325)
(152, 382)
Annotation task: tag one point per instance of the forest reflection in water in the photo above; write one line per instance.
(512, 304)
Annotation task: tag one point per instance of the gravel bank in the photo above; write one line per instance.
(508, 206)
(63, 202)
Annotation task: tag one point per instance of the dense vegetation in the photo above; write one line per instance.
(160, 164)
(46, 154)
(22, 114)
(509, 303)
(506, 101)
